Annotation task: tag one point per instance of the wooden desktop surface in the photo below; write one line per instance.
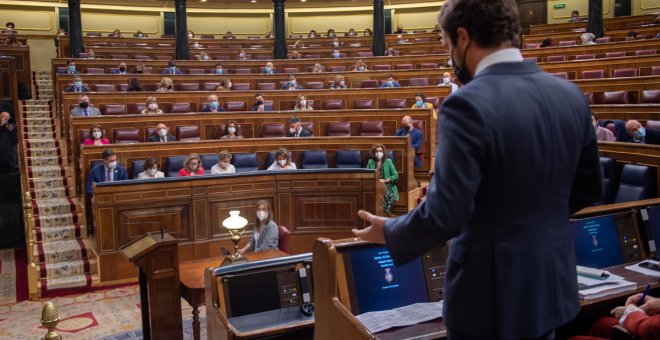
(606, 301)
(191, 275)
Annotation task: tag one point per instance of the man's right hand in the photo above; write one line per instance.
(651, 304)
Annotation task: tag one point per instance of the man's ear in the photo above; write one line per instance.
(462, 38)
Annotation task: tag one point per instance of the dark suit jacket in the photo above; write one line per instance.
(266, 108)
(505, 199)
(303, 133)
(97, 175)
(156, 138)
(208, 109)
(72, 88)
(416, 139)
(168, 71)
(652, 136)
(116, 71)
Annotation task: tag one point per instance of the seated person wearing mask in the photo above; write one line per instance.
(121, 69)
(360, 66)
(8, 142)
(84, 109)
(109, 171)
(390, 82)
(639, 134)
(192, 166)
(259, 104)
(166, 85)
(77, 86)
(302, 104)
(151, 107)
(602, 134)
(233, 131)
(269, 69)
(336, 54)
(265, 233)
(171, 68)
(214, 105)
(241, 55)
(416, 137)
(421, 103)
(223, 167)
(218, 69)
(162, 134)
(292, 84)
(70, 68)
(588, 39)
(150, 167)
(96, 136)
(296, 129)
(282, 161)
(446, 81)
(338, 83)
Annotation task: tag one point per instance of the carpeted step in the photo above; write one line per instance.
(39, 121)
(56, 220)
(50, 193)
(44, 161)
(44, 152)
(40, 135)
(56, 206)
(61, 251)
(46, 171)
(68, 232)
(63, 269)
(42, 143)
(48, 183)
(39, 128)
(66, 282)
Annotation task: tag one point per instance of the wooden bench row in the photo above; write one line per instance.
(648, 32)
(608, 24)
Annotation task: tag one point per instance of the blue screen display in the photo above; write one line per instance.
(380, 285)
(654, 220)
(596, 242)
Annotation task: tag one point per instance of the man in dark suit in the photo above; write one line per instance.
(640, 134)
(292, 84)
(162, 134)
(109, 171)
(214, 105)
(84, 109)
(70, 68)
(416, 137)
(259, 104)
(504, 198)
(77, 86)
(296, 129)
(121, 69)
(171, 68)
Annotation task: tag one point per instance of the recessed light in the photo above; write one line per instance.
(303, 0)
(253, 1)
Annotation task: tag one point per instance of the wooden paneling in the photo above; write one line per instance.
(616, 35)
(641, 112)
(531, 12)
(291, 202)
(22, 66)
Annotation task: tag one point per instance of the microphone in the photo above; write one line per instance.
(160, 226)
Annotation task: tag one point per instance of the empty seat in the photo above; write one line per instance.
(404, 67)
(126, 136)
(164, 57)
(309, 126)
(382, 67)
(615, 54)
(395, 103)
(591, 99)
(609, 180)
(188, 87)
(283, 239)
(135, 109)
(195, 71)
(364, 54)
(418, 82)
(530, 46)
(650, 97)
(555, 58)
(290, 70)
(655, 71)
(181, 108)
(173, 165)
(562, 75)
(103, 87)
(112, 109)
(119, 56)
(208, 36)
(428, 65)
(593, 74)
(265, 86)
(534, 59)
(637, 183)
(314, 85)
(375, 128)
(603, 40)
(210, 86)
(208, 161)
(348, 159)
(242, 70)
(339, 129)
(624, 72)
(644, 52)
(314, 159)
(241, 86)
(369, 83)
(333, 104)
(235, 106)
(136, 168)
(271, 130)
(189, 133)
(585, 56)
(337, 68)
(94, 70)
(363, 104)
(567, 43)
(244, 162)
(616, 97)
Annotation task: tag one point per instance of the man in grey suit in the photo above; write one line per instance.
(516, 155)
(84, 109)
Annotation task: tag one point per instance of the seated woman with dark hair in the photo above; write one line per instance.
(150, 167)
(134, 85)
(387, 175)
(225, 85)
(265, 233)
(367, 32)
(116, 34)
(282, 161)
(96, 136)
(232, 131)
(151, 107)
(192, 166)
(302, 104)
(312, 34)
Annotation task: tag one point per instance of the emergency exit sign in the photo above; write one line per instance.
(560, 5)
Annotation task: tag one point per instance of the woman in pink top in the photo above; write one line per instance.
(96, 136)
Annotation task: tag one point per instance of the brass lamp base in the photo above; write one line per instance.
(231, 259)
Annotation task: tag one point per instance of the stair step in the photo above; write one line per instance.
(60, 251)
(66, 282)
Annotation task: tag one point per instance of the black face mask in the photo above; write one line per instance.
(461, 72)
(84, 105)
(138, 71)
(260, 102)
(122, 69)
(406, 128)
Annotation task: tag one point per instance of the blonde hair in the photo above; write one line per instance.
(190, 158)
(165, 81)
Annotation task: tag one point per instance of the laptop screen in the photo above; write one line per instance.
(597, 242)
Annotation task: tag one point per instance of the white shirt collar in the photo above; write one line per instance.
(500, 56)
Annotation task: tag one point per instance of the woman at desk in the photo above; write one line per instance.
(640, 320)
(264, 236)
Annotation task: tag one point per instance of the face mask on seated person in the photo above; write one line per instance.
(77, 84)
(292, 83)
(379, 155)
(72, 69)
(446, 80)
(153, 106)
(640, 133)
(162, 132)
(231, 130)
(214, 104)
(172, 69)
(303, 103)
(218, 71)
(282, 162)
(84, 105)
(262, 215)
(112, 165)
(152, 171)
(336, 55)
(360, 68)
(97, 134)
(420, 103)
(267, 69)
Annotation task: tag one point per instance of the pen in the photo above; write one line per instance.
(646, 291)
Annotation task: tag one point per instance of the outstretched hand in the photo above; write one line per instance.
(373, 233)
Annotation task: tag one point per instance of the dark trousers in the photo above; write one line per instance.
(458, 336)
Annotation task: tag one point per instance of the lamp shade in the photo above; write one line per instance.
(234, 221)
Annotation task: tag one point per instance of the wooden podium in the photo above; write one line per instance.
(157, 258)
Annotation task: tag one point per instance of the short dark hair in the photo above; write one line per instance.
(9, 23)
(171, 63)
(257, 94)
(489, 23)
(107, 153)
(150, 162)
(421, 95)
(70, 61)
(575, 12)
(294, 119)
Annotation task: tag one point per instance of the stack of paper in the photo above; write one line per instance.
(644, 268)
(592, 288)
(400, 317)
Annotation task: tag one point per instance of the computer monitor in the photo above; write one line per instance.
(652, 216)
(375, 283)
(596, 242)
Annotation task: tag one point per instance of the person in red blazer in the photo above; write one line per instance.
(192, 166)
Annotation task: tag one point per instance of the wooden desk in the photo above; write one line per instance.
(191, 274)
(619, 299)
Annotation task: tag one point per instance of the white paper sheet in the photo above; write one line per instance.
(400, 317)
